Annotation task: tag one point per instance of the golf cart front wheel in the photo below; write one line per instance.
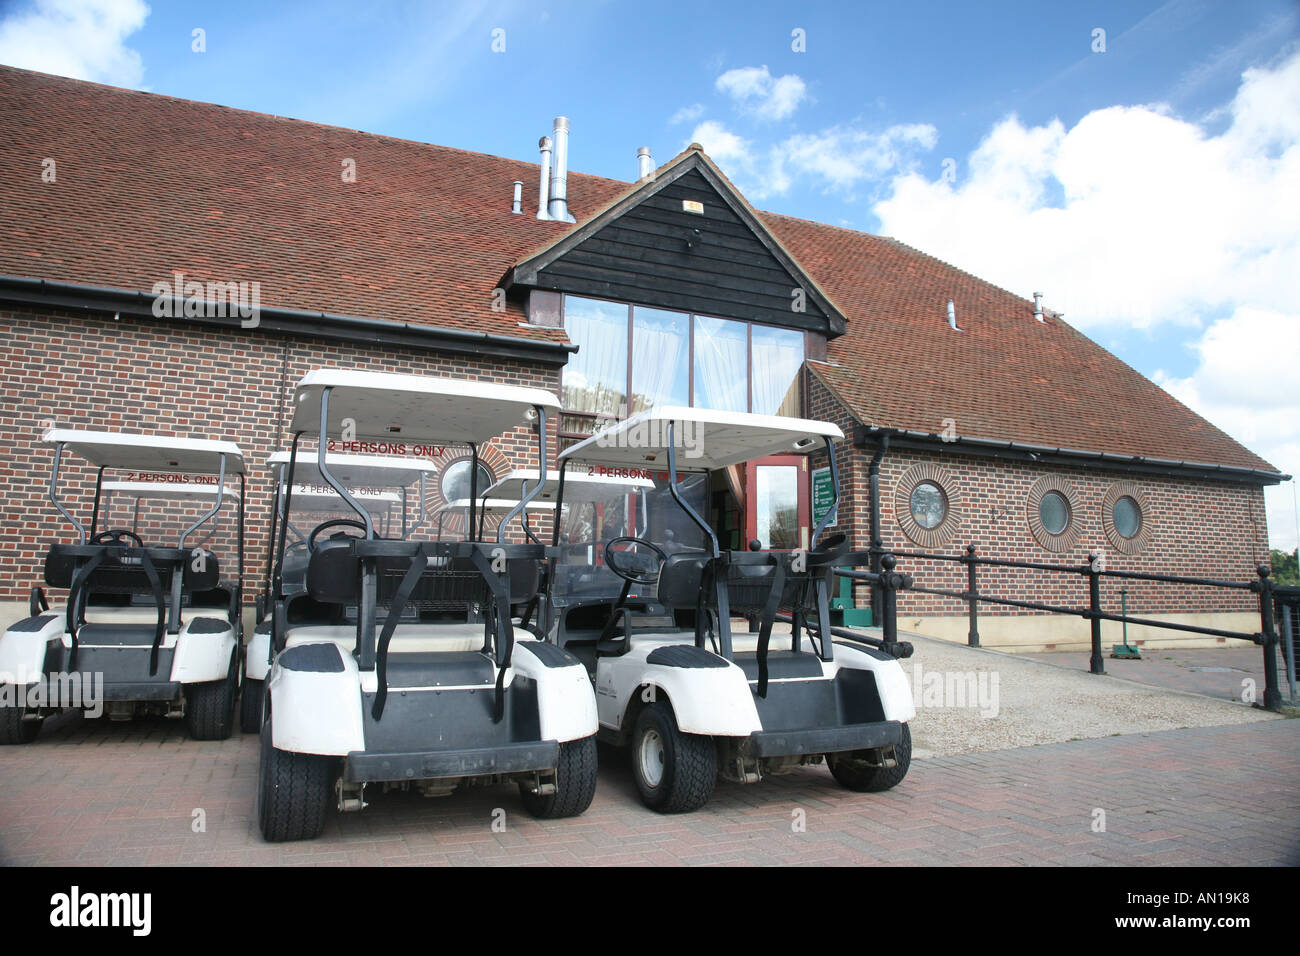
(294, 792)
(210, 706)
(860, 776)
(14, 727)
(675, 772)
(575, 783)
(250, 706)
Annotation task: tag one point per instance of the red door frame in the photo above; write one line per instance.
(751, 495)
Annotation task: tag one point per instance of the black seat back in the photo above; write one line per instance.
(680, 578)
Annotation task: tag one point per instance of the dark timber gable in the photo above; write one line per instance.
(646, 249)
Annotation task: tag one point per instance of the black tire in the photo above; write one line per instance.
(294, 792)
(575, 783)
(13, 728)
(863, 778)
(250, 706)
(210, 707)
(689, 763)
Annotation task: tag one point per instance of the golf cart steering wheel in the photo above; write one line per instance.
(117, 536)
(332, 523)
(632, 567)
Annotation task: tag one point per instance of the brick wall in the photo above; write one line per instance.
(159, 377)
(1196, 528)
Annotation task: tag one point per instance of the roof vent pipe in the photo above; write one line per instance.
(1038, 306)
(544, 189)
(517, 202)
(645, 166)
(558, 208)
(952, 316)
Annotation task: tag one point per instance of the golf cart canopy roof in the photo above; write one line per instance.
(352, 469)
(326, 499)
(158, 454)
(495, 505)
(398, 410)
(168, 491)
(706, 440)
(512, 485)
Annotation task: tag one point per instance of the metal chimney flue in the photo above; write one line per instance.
(517, 201)
(645, 166)
(544, 189)
(952, 316)
(558, 208)
(1038, 306)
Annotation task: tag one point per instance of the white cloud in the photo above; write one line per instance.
(1135, 217)
(758, 93)
(838, 159)
(1246, 382)
(687, 114)
(83, 39)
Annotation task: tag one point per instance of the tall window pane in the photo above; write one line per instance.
(721, 351)
(660, 348)
(595, 380)
(778, 355)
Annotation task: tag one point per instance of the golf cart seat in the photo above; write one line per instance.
(680, 578)
(122, 571)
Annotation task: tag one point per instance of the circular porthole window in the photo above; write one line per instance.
(1054, 512)
(1051, 508)
(1125, 515)
(929, 505)
(455, 485)
(925, 507)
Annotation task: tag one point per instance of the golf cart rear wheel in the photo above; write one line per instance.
(294, 792)
(210, 706)
(675, 772)
(575, 783)
(250, 706)
(13, 728)
(860, 776)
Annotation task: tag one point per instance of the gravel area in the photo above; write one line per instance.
(971, 700)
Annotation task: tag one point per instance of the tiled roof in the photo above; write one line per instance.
(148, 185)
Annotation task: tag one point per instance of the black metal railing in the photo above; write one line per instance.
(1093, 572)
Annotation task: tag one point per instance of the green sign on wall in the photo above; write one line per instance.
(823, 494)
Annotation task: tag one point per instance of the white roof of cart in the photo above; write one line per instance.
(167, 490)
(495, 505)
(158, 454)
(512, 485)
(414, 408)
(353, 469)
(706, 439)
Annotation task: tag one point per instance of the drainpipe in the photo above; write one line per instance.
(873, 485)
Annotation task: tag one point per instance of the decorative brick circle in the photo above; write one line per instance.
(946, 529)
(1037, 492)
(1137, 543)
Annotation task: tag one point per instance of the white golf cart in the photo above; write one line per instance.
(413, 674)
(149, 625)
(642, 593)
(383, 485)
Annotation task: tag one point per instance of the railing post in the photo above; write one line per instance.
(972, 599)
(1097, 665)
(1272, 693)
(888, 600)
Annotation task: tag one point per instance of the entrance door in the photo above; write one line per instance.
(776, 502)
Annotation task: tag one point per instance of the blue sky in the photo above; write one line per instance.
(994, 135)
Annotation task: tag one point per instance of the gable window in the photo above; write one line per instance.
(633, 357)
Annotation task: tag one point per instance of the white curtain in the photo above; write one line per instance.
(659, 356)
(721, 382)
(596, 377)
(778, 355)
